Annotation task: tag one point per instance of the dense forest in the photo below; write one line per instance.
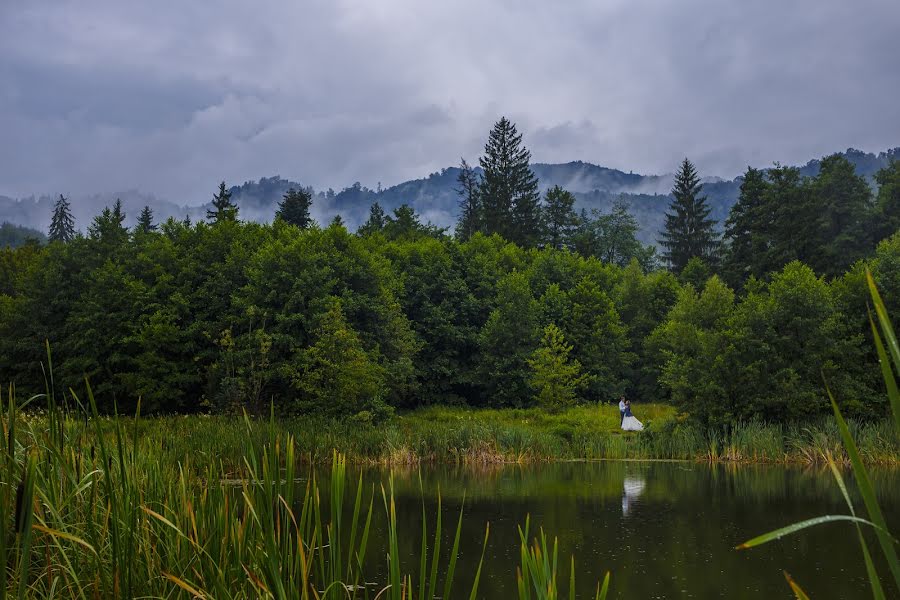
(527, 301)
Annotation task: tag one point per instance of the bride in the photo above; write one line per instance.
(629, 423)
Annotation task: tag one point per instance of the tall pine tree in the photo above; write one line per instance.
(223, 208)
(294, 208)
(560, 218)
(689, 232)
(748, 230)
(62, 224)
(145, 222)
(509, 189)
(469, 204)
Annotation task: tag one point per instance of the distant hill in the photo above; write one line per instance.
(434, 197)
(13, 236)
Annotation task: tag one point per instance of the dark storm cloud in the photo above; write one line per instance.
(171, 96)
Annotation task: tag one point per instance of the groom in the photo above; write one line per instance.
(621, 410)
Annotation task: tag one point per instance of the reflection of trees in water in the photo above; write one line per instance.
(632, 488)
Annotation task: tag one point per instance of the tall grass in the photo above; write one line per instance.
(888, 349)
(466, 436)
(92, 508)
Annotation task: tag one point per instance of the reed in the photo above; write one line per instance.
(99, 507)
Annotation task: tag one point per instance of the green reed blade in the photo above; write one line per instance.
(874, 581)
(474, 594)
(24, 521)
(868, 493)
(798, 592)
(572, 580)
(884, 321)
(887, 374)
(435, 559)
(604, 589)
(795, 527)
(448, 583)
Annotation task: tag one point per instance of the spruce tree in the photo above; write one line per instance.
(145, 222)
(62, 224)
(375, 222)
(294, 208)
(689, 231)
(109, 226)
(842, 205)
(560, 218)
(748, 229)
(224, 208)
(469, 204)
(509, 189)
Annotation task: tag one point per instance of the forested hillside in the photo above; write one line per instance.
(434, 197)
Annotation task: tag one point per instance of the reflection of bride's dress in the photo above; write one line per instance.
(632, 489)
(630, 423)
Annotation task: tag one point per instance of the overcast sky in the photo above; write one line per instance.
(171, 96)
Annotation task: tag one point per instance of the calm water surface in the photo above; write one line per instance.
(664, 530)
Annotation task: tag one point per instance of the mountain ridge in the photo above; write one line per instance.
(434, 197)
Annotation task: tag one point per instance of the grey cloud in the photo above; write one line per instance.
(171, 96)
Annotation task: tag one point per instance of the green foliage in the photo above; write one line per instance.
(470, 208)
(223, 208)
(14, 236)
(62, 224)
(746, 230)
(405, 225)
(376, 221)
(560, 218)
(294, 208)
(695, 273)
(886, 214)
(507, 340)
(764, 356)
(509, 189)
(335, 376)
(611, 237)
(555, 378)
(145, 222)
(689, 232)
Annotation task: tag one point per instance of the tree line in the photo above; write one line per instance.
(528, 302)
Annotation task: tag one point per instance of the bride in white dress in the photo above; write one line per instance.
(630, 423)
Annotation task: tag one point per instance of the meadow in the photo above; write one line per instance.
(465, 436)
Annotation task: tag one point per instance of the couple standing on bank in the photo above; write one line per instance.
(629, 422)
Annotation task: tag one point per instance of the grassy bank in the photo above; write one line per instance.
(457, 435)
(102, 508)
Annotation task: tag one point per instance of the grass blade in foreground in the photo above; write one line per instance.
(798, 592)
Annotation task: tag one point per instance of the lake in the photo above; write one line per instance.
(664, 529)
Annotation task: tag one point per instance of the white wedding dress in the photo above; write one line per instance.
(632, 424)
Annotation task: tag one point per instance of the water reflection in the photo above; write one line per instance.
(665, 530)
(632, 487)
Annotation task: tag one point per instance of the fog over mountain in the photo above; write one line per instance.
(434, 197)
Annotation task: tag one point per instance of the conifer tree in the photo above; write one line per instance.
(224, 208)
(555, 378)
(337, 221)
(375, 222)
(689, 231)
(145, 222)
(109, 225)
(294, 208)
(747, 229)
(62, 224)
(509, 189)
(887, 204)
(469, 204)
(560, 218)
